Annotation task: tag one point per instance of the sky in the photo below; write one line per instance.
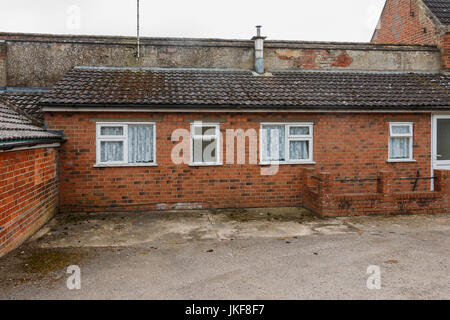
(309, 20)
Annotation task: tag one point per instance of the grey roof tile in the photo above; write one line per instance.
(26, 100)
(440, 8)
(198, 87)
(15, 126)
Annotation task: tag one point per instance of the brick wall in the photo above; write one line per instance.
(444, 45)
(405, 21)
(385, 200)
(346, 144)
(28, 193)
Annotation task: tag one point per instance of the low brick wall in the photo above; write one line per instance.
(28, 193)
(320, 198)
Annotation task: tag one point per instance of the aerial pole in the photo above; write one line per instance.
(137, 33)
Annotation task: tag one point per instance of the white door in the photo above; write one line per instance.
(441, 142)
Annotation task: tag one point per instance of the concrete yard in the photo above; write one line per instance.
(282, 253)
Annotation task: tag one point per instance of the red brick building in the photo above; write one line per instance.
(339, 128)
(416, 22)
(360, 128)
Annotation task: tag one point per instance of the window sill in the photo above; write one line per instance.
(106, 165)
(399, 160)
(205, 164)
(286, 162)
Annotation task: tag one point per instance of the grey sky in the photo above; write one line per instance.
(324, 20)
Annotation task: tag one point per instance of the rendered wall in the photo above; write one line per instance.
(41, 60)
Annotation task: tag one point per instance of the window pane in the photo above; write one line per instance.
(140, 143)
(273, 143)
(298, 131)
(111, 151)
(209, 130)
(443, 139)
(205, 151)
(401, 129)
(111, 131)
(298, 150)
(399, 148)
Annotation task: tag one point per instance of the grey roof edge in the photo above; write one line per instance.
(148, 68)
(25, 89)
(268, 107)
(356, 71)
(361, 71)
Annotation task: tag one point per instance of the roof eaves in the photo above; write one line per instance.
(10, 144)
(269, 107)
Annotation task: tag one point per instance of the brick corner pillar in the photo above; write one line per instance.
(442, 185)
(442, 181)
(385, 183)
(325, 197)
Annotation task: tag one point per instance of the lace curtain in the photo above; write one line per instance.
(273, 143)
(111, 151)
(140, 143)
(399, 148)
(298, 150)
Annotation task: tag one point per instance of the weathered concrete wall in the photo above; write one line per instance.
(40, 60)
(2, 64)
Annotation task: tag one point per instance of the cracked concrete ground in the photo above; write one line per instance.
(274, 253)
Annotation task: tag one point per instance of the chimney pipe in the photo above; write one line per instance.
(259, 51)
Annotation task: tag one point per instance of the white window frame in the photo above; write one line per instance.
(409, 135)
(288, 137)
(124, 138)
(216, 136)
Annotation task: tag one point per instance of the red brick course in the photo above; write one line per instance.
(28, 193)
(346, 145)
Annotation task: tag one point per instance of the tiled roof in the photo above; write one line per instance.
(440, 8)
(90, 86)
(15, 126)
(26, 100)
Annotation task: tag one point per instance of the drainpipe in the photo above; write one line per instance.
(259, 51)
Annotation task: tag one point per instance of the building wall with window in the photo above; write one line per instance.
(347, 145)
